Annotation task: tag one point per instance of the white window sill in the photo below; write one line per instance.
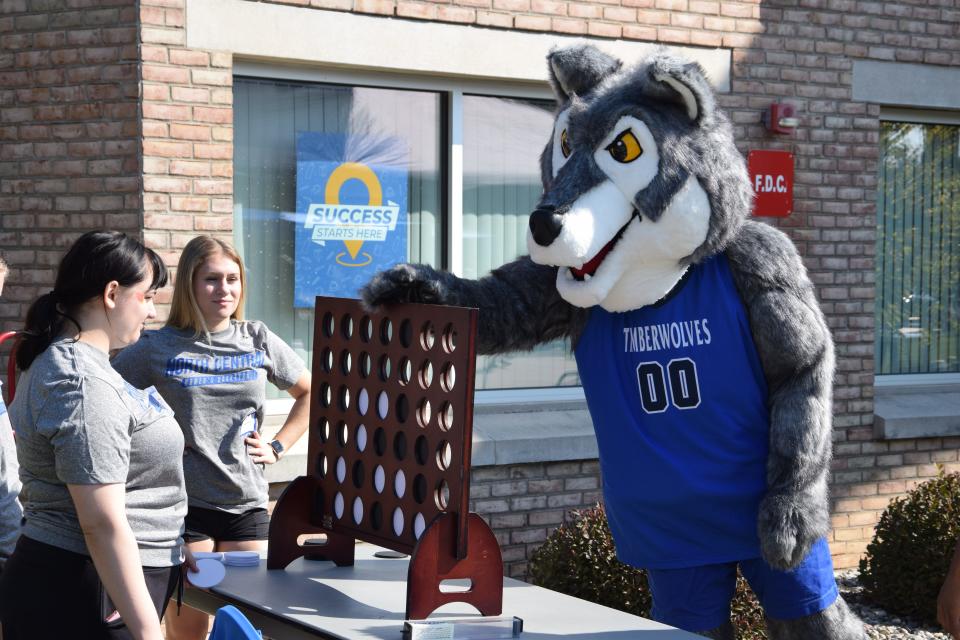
(924, 407)
(505, 431)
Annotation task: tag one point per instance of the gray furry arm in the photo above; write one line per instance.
(796, 351)
(519, 304)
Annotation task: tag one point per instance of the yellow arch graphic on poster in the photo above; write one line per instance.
(340, 175)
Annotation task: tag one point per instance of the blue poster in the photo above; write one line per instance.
(351, 215)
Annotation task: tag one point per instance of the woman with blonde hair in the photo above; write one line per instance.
(212, 367)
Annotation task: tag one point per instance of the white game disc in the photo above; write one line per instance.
(241, 558)
(211, 573)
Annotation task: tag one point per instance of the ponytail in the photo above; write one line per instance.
(94, 260)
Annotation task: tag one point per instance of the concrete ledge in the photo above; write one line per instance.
(263, 31)
(927, 411)
(551, 435)
(905, 84)
(555, 433)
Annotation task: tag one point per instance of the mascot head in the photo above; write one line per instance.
(641, 178)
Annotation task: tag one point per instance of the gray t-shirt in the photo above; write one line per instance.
(11, 513)
(78, 422)
(217, 389)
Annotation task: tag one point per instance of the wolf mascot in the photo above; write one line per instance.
(705, 359)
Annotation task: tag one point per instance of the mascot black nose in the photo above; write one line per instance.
(545, 225)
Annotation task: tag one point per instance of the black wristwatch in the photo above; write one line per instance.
(277, 447)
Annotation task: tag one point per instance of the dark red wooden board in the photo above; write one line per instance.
(391, 420)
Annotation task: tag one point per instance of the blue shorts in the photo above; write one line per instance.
(698, 598)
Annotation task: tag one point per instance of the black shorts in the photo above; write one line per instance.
(221, 526)
(50, 593)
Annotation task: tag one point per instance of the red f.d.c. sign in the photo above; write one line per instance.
(771, 174)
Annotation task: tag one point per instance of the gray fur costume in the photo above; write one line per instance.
(642, 180)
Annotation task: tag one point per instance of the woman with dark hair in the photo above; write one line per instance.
(101, 462)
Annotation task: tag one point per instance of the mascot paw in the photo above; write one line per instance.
(788, 528)
(402, 283)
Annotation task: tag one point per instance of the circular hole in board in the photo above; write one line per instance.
(386, 367)
(421, 450)
(400, 483)
(428, 336)
(400, 445)
(338, 505)
(323, 428)
(322, 467)
(327, 324)
(366, 329)
(425, 374)
(406, 333)
(366, 364)
(444, 455)
(380, 441)
(344, 398)
(346, 362)
(346, 326)
(326, 359)
(403, 408)
(446, 416)
(441, 495)
(326, 394)
(405, 371)
(424, 413)
(419, 525)
(358, 474)
(420, 488)
(343, 433)
(386, 331)
(341, 469)
(449, 339)
(448, 377)
(376, 516)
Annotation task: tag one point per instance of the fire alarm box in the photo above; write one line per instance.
(781, 118)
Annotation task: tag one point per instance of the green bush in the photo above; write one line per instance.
(907, 559)
(579, 559)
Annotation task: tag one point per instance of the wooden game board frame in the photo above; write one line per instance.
(422, 358)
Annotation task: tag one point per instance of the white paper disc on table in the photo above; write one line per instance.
(211, 573)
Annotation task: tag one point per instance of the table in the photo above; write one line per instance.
(320, 600)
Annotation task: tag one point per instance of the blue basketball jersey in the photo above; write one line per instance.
(678, 400)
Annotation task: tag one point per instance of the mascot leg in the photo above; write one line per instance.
(836, 622)
(723, 632)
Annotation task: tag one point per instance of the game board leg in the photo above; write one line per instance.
(291, 519)
(435, 560)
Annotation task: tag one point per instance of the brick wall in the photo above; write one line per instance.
(187, 135)
(69, 140)
(69, 158)
(523, 503)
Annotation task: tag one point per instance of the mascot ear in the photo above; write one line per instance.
(685, 83)
(577, 69)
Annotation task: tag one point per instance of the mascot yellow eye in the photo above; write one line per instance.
(564, 144)
(626, 148)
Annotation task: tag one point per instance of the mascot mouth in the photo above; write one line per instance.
(590, 267)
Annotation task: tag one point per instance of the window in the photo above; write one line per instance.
(918, 262)
(472, 231)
